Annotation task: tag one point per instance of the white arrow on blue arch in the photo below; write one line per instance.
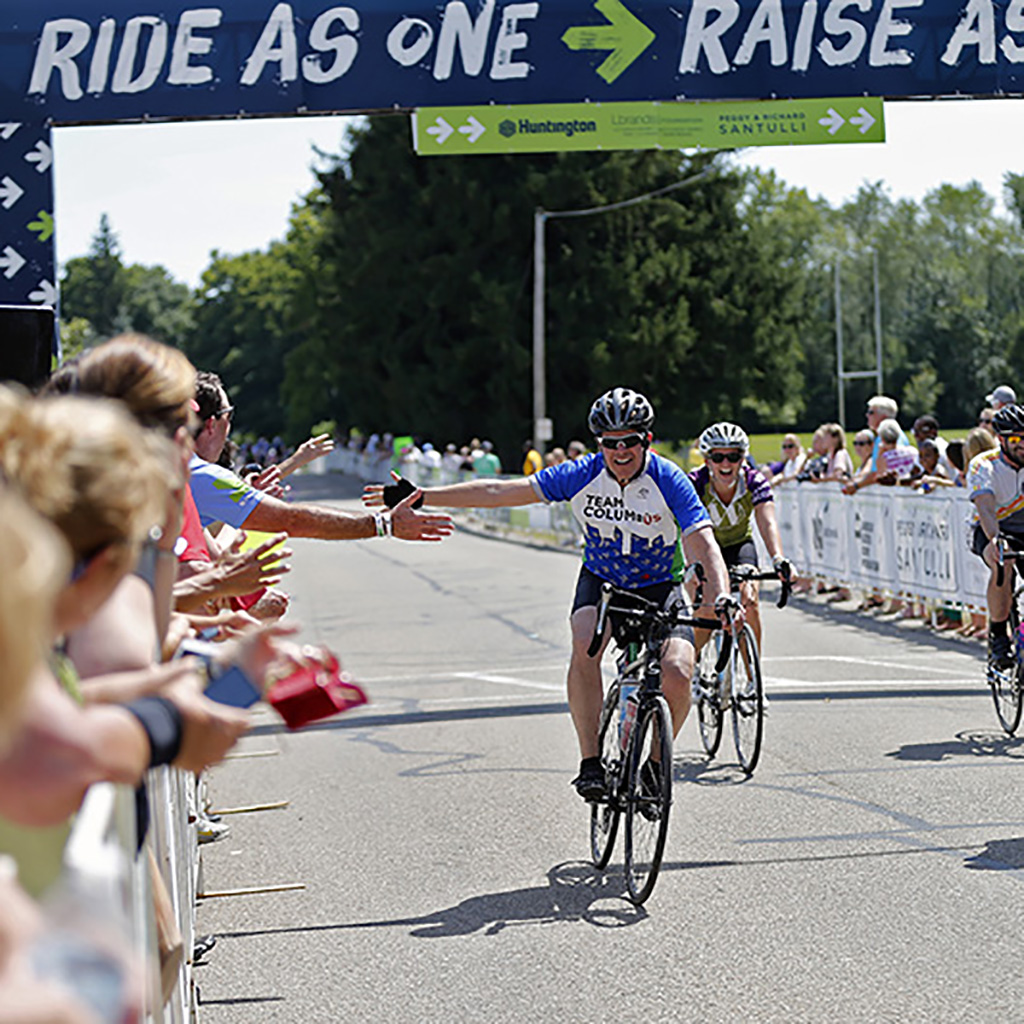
(42, 155)
(45, 294)
(11, 261)
(8, 128)
(10, 192)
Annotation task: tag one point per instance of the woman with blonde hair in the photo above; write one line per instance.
(84, 465)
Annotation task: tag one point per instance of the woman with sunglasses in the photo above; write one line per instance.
(636, 510)
(736, 496)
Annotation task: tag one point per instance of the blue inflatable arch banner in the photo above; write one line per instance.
(66, 62)
(71, 62)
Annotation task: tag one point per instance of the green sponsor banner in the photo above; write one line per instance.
(551, 127)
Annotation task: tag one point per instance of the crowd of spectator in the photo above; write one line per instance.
(123, 549)
(884, 456)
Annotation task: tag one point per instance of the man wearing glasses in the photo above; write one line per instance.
(996, 486)
(221, 496)
(636, 510)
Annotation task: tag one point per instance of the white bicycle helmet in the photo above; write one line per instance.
(620, 409)
(723, 435)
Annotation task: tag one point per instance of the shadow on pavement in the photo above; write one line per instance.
(417, 718)
(999, 855)
(965, 744)
(576, 891)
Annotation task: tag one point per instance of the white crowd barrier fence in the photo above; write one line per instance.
(102, 845)
(898, 541)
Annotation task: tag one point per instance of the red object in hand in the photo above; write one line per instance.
(314, 691)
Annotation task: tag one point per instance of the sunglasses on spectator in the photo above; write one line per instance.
(788, 446)
(228, 411)
(985, 419)
(629, 441)
(861, 444)
(733, 457)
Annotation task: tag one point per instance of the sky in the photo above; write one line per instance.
(174, 192)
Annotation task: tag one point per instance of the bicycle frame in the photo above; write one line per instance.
(638, 788)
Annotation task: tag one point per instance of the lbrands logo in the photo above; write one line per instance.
(507, 129)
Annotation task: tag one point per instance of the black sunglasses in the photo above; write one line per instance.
(733, 457)
(629, 441)
(861, 444)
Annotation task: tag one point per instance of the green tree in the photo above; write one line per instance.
(422, 320)
(111, 297)
(94, 286)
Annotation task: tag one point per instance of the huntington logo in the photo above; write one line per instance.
(507, 129)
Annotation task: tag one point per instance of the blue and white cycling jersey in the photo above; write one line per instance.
(632, 533)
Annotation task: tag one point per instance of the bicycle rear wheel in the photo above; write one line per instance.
(604, 816)
(747, 701)
(709, 708)
(648, 798)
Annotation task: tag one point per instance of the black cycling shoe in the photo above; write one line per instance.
(1000, 652)
(650, 791)
(590, 781)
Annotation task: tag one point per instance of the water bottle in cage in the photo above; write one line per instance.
(628, 704)
(1020, 643)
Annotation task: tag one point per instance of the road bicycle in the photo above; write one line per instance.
(1006, 685)
(635, 735)
(738, 686)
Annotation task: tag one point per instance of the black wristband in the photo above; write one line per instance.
(164, 727)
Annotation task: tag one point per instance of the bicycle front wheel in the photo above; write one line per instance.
(709, 707)
(604, 815)
(747, 700)
(1006, 695)
(648, 798)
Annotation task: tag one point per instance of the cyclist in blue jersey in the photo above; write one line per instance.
(640, 516)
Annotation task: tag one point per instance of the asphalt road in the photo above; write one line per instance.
(871, 870)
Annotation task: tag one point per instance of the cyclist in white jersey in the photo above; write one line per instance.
(640, 516)
(995, 479)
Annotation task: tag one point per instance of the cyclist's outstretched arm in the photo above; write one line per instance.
(700, 546)
(486, 492)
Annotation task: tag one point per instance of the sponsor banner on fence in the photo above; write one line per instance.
(892, 540)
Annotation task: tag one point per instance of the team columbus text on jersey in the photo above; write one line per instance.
(632, 533)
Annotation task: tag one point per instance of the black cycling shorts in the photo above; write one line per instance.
(980, 541)
(744, 553)
(588, 595)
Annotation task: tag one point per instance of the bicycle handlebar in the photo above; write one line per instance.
(651, 610)
(743, 573)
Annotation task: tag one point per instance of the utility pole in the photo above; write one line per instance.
(542, 425)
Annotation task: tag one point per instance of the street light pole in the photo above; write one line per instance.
(541, 424)
(539, 379)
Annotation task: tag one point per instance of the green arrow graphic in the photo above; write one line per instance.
(627, 37)
(44, 226)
